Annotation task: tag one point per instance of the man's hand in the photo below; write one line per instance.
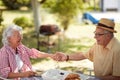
(59, 56)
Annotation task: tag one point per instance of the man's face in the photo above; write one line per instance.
(101, 37)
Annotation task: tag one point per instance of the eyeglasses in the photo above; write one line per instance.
(99, 34)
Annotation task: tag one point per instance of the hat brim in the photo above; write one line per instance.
(111, 30)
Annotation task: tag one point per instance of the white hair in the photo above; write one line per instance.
(9, 31)
(106, 31)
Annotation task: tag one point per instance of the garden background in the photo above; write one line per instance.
(77, 37)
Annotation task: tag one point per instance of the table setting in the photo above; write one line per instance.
(58, 74)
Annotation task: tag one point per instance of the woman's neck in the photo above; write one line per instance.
(15, 48)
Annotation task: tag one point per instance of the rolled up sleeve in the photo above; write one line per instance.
(34, 53)
(90, 54)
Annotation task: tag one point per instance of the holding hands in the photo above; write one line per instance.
(59, 56)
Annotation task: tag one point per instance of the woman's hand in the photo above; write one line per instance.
(59, 56)
(28, 74)
(12, 75)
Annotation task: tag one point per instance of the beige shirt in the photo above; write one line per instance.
(106, 60)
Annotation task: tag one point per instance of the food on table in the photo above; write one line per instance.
(72, 76)
(57, 74)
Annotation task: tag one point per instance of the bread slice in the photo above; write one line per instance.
(73, 76)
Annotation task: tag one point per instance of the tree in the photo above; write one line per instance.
(16, 4)
(65, 10)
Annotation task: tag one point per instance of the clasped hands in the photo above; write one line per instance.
(59, 56)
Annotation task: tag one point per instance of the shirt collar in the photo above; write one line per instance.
(10, 48)
(110, 44)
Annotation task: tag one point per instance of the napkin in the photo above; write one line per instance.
(55, 74)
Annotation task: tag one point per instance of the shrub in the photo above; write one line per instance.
(16, 4)
(23, 22)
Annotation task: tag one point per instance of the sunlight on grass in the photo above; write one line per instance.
(78, 37)
(10, 15)
(117, 28)
(79, 31)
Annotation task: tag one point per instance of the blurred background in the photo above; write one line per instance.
(68, 26)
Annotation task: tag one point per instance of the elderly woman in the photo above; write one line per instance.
(15, 57)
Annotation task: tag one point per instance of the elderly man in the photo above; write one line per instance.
(105, 53)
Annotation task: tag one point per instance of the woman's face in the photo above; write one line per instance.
(15, 39)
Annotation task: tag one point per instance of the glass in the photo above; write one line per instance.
(99, 34)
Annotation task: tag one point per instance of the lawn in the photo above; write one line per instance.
(78, 37)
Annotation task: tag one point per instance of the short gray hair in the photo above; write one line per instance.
(9, 31)
(106, 31)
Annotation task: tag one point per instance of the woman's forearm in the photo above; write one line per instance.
(14, 75)
(44, 55)
(21, 75)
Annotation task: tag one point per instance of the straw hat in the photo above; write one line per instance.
(107, 25)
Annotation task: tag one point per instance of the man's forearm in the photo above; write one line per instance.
(77, 56)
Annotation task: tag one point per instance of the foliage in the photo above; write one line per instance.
(23, 22)
(16, 4)
(1, 30)
(90, 5)
(65, 10)
(1, 18)
(1, 4)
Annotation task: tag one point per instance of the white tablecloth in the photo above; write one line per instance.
(82, 76)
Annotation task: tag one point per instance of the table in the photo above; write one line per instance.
(82, 76)
(87, 77)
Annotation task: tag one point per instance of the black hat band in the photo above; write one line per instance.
(100, 24)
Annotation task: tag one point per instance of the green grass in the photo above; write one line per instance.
(78, 37)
